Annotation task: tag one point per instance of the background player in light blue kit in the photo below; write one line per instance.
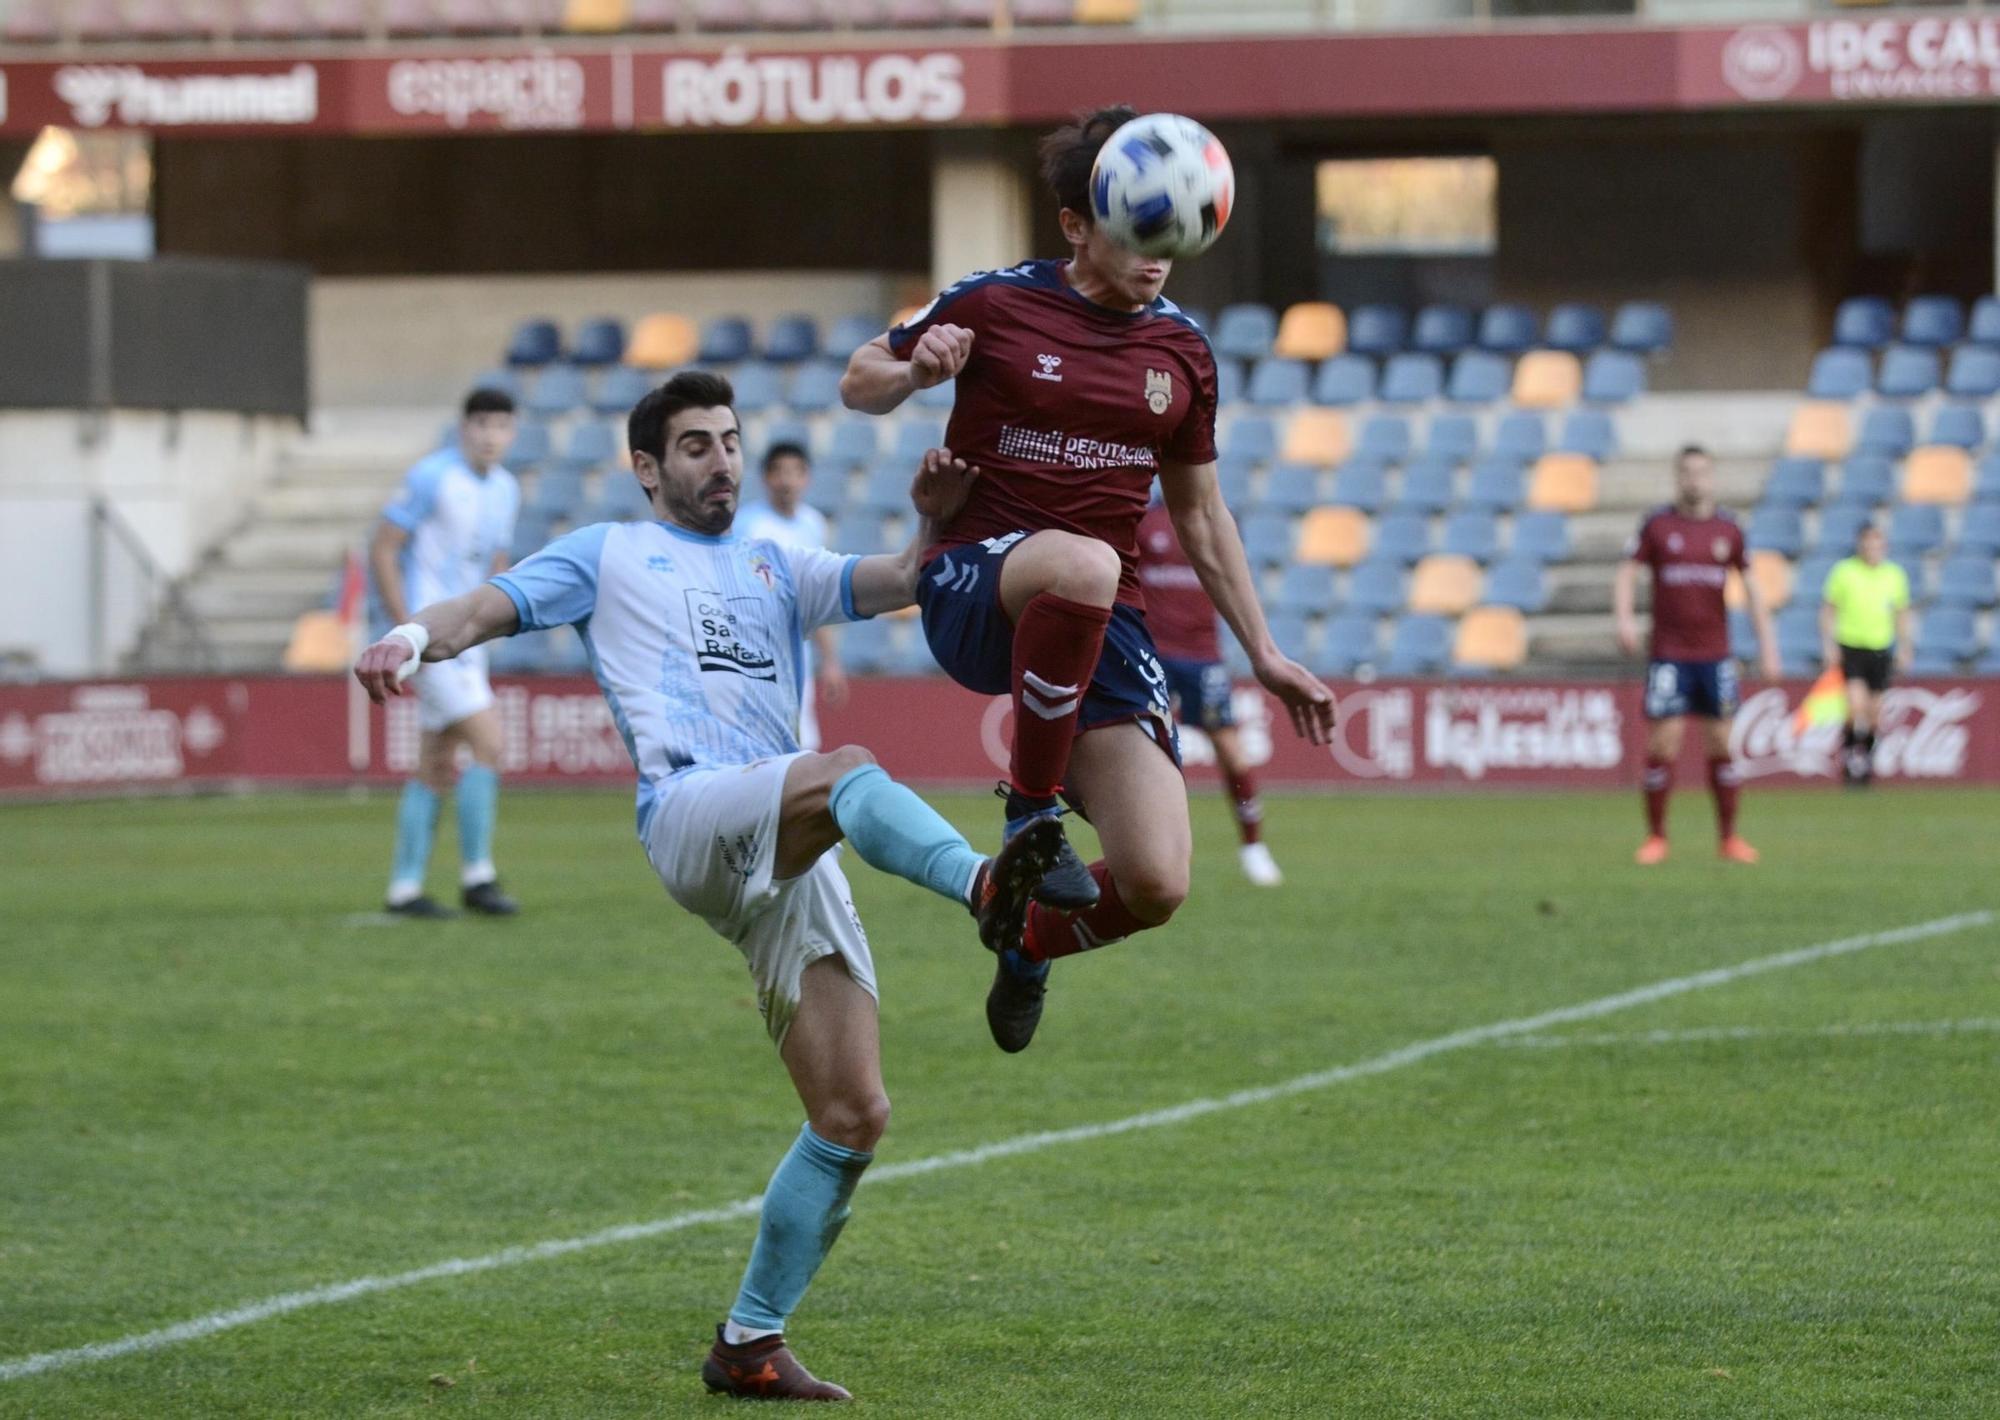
(787, 519)
(447, 529)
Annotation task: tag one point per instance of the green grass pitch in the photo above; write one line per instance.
(220, 1082)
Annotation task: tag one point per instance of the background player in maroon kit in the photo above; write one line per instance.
(1182, 620)
(1078, 384)
(1691, 547)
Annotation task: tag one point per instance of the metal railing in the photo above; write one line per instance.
(118, 559)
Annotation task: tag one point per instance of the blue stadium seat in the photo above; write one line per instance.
(1643, 327)
(1344, 380)
(1521, 435)
(531, 448)
(1293, 633)
(758, 387)
(1245, 331)
(854, 443)
(1974, 372)
(1575, 327)
(815, 387)
(1907, 372)
(911, 653)
(1472, 533)
(849, 333)
(1866, 322)
(1839, 372)
(1428, 484)
(1442, 329)
(1967, 580)
(1305, 590)
(1980, 530)
(535, 342)
(1233, 477)
(567, 653)
(1778, 529)
(1291, 488)
(1986, 479)
(1960, 425)
(1418, 646)
(1228, 382)
(1933, 320)
(1267, 538)
(791, 338)
(1498, 484)
(914, 439)
(1250, 438)
(1379, 586)
(1377, 330)
(1519, 583)
(1798, 639)
(1452, 436)
(1866, 480)
(858, 531)
(620, 499)
(1590, 432)
(1809, 575)
(1385, 438)
(558, 390)
(1348, 644)
(1411, 379)
(524, 654)
(1933, 661)
(1887, 429)
(1795, 483)
(1840, 528)
(558, 493)
(724, 341)
(590, 445)
(1276, 382)
(1234, 658)
(1360, 483)
(533, 530)
(1540, 537)
(865, 646)
(1196, 316)
(1742, 636)
(599, 342)
(938, 398)
(1402, 538)
(498, 378)
(1949, 634)
(1984, 327)
(1509, 329)
(1914, 530)
(618, 389)
(1613, 377)
(780, 431)
(1478, 377)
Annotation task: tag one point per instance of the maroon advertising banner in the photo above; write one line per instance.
(121, 736)
(1939, 58)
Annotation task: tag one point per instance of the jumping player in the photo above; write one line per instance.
(1182, 620)
(697, 641)
(1691, 546)
(1078, 384)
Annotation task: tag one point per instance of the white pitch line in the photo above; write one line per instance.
(1971, 1026)
(1411, 1054)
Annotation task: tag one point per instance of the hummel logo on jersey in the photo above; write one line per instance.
(717, 633)
(658, 563)
(955, 577)
(1050, 364)
(1159, 390)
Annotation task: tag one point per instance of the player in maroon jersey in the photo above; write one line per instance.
(1078, 384)
(1182, 620)
(1691, 547)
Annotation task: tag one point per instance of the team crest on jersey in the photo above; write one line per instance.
(1721, 549)
(1674, 543)
(760, 568)
(1159, 390)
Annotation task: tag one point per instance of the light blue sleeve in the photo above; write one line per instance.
(825, 585)
(418, 495)
(558, 585)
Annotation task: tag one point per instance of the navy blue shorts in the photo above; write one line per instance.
(1705, 688)
(958, 593)
(1201, 693)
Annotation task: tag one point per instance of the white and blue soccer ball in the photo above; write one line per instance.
(1162, 186)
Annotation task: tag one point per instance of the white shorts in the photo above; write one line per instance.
(454, 690)
(713, 840)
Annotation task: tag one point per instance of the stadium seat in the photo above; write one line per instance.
(531, 448)
(1293, 633)
(1334, 537)
(758, 386)
(599, 342)
(1491, 638)
(1402, 538)
(1418, 646)
(1311, 330)
(1613, 377)
(1305, 589)
(1195, 316)
(1771, 572)
(557, 390)
(406, 19)
(858, 532)
(30, 22)
(1984, 326)
(1980, 530)
(1343, 380)
(1809, 574)
(1988, 662)
(1377, 587)
(725, 340)
(1865, 322)
(1521, 436)
(1411, 379)
(535, 342)
(1840, 528)
(497, 378)
(1866, 480)
(1574, 327)
(1377, 330)
(1519, 583)
(853, 444)
(1779, 529)
(1907, 372)
(1428, 484)
(849, 333)
(1442, 329)
(814, 387)
(1361, 484)
(1642, 327)
(1250, 438)
(1887, 429)
(621, 500)
(1228, 382)
(792, 338)
(1319, 437)
(1246, 331)
(1540, 537)
(1959, 425)
(914, 439)
(865, 646)
(1348, 644)
(1452, 437)
(1385, 438)
(1840, 372)
(1967, 580)
(617, 389)
(1291, 488)
(1267, 538)
(590, 445)
(1974, 372)
(596, 16)
(1819, 430)
(780, 431)
(1472, 533)
(1508, 329)
(1498, 484)
(533, 531)
(523, 654)
(1945, 636)
(1445, 584)
(911, 654)
(1277, 382)
(937, 398)
(1233, 477)
(341, 19)
(663, 341)
(1563, 483)
(1915, 529)
(1588, 432)
(558, 492)
(1547, 379)
(1986, 480)
(320, 641)
(1938, 473)
(1933, 321)
(1478, 377)
(1795, 483)
(1798, 640)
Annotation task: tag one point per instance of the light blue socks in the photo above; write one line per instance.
(804, 1209)
(894, 830)
(416, 823)
(478, 805)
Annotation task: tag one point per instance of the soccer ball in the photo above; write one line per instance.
(1163, 186)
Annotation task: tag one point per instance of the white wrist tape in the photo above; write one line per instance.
(417, 639)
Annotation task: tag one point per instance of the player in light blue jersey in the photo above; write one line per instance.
(785, 517)
(449, 527)
(697, 638)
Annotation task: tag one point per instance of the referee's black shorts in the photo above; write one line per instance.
(1871, 668)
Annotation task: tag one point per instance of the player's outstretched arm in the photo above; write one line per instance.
(877, 379)
(888, 581)
(437, 633)
(1215, 549)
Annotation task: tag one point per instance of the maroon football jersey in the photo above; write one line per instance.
(1690, 558)
(1178, 611)
(1068, 407)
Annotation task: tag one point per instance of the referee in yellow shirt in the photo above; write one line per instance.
(1864, 623)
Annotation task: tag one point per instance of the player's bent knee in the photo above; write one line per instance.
(1154, 897)
(1090, 571)
(856, 1122)
(847, 759)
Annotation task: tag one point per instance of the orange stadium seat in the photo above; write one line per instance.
(1334, 537)
(1445, 585)
(1491, 637)
(1547, 379)
(1317, 436)
(596, 16)
(1938, 473)
(662, 341)
(1107, 12)
(1820, 429)
(1311, 330)
(1563, 483)
(319, 643)
(1771, 571)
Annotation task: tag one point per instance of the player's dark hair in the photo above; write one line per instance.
(1069, 153)
(488, 400)
(786, 449)
(646, 428)
(1691, 451)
